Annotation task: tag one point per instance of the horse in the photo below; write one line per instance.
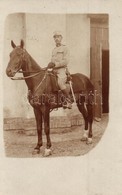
(38, 81)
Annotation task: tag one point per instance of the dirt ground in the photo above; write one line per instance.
(20, 145)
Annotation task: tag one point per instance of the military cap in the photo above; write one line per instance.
(57, 33)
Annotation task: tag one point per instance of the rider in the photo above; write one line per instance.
(59, 62)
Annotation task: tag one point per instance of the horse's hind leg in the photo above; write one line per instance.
(82, 108)
(90, 121)
(87, 112)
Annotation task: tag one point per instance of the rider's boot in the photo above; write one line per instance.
(67, 103)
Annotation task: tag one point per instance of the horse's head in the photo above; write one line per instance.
(16, 59)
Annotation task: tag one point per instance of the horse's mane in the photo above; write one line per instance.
(36, 65)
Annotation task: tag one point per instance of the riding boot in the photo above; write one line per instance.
(67, 103)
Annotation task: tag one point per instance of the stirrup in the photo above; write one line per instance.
(67, 105)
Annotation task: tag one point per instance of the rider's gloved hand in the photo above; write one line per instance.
(51, 65)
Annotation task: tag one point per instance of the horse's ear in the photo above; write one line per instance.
(22, 44)
(13, 44)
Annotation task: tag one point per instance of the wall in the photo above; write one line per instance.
(37, 31)
(78, 40)
(13, 90)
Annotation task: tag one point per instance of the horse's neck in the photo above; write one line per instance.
(29, 68)
(31, 65)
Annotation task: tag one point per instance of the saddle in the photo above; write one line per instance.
(54, 83)
(36, 100)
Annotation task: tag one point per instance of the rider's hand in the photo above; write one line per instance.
(51, 65)
(69, 78)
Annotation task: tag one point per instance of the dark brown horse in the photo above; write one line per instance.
(41, 93)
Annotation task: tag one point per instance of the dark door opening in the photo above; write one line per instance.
(105, 81)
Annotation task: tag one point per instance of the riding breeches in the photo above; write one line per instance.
(62, 78)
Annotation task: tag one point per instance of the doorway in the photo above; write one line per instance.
(105, 81)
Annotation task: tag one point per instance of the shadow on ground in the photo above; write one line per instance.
(20, 145)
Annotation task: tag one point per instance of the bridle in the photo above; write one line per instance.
(36, 73)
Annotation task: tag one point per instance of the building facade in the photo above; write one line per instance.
(83, 34)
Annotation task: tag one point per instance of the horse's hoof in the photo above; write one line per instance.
(89, 141)
(47, 152)
(84, 138)
(36, 151)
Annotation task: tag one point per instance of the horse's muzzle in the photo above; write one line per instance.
(10, 73)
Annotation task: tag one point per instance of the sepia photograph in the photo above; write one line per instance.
(61, 97)
(56, 83)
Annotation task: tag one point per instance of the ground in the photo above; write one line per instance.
(19, 144)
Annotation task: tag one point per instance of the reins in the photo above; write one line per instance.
(21, 71)
(28, 77)
(23, 78)
(40, 82)
(31, 76)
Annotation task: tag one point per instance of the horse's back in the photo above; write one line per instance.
(81, 83)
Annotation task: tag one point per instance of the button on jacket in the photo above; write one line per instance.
(60, 57)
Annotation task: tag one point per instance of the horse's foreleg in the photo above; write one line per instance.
(38, 116)
(47, 131)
